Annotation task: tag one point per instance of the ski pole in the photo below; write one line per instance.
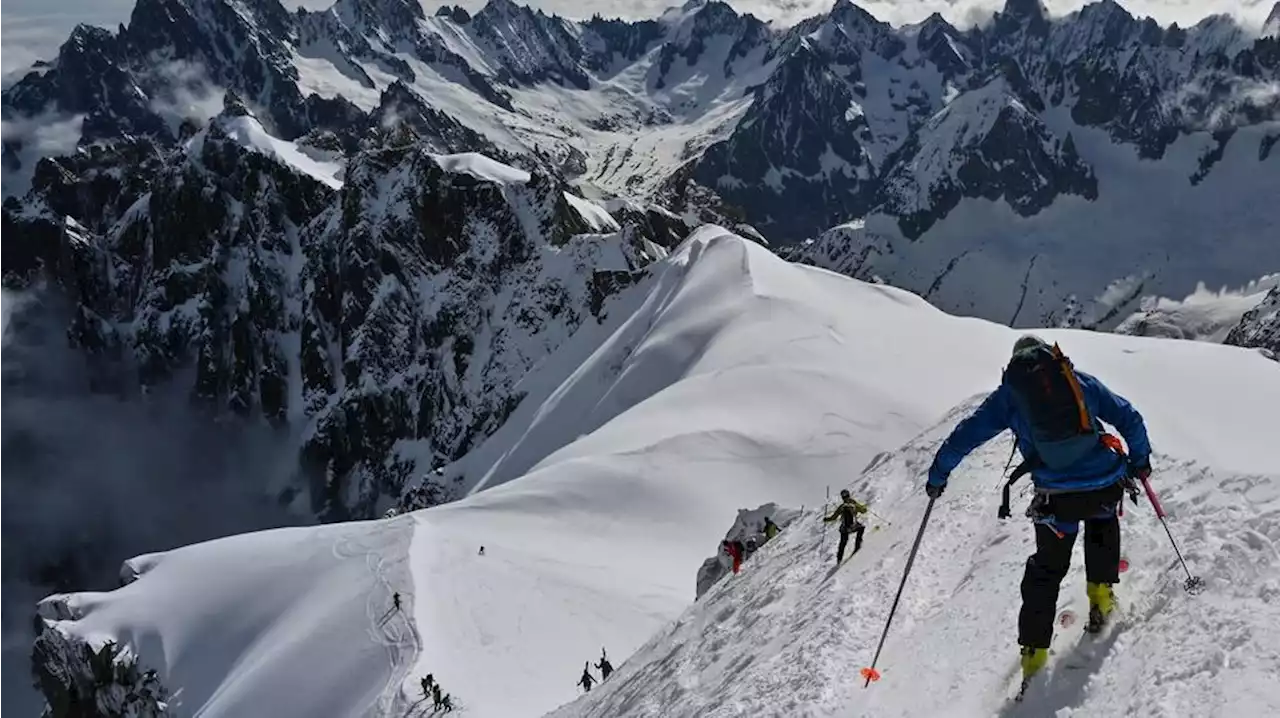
(822, 544)
(870, 673)
(887, 522)
(1194, 584)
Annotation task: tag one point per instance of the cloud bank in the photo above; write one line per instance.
(93, 479)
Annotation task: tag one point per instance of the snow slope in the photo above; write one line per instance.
(726, 379)
(787, 636)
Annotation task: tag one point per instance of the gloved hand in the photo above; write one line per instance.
(1140, 470)
(933, 491)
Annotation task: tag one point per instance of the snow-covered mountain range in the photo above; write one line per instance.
(398, 241)
(995, 155)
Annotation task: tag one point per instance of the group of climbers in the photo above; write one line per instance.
(739, 550)
(606, 668)
(441, 702)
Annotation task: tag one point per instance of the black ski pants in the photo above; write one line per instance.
(857, 531)
(1048, 566)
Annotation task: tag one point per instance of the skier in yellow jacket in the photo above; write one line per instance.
(847, 513)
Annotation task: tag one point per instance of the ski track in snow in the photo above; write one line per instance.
(391, 628)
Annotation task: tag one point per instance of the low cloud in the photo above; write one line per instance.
(965, 13)
(189, 94)
(92, 479)
(1204, 315)
(1225, 102)
(28, 139)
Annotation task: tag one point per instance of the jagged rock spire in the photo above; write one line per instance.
(234, 106)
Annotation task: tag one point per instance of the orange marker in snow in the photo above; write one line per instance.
(870, 674)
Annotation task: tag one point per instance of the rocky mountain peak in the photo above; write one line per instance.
(495, 10)
(1018, 16)
(233, 105)
(1260, 326)
(391, 14)
(944, 45)
(1025, 9)
(1271, 27)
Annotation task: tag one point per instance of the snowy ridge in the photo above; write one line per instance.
(662, 416)
(248, 132)
(726, 379)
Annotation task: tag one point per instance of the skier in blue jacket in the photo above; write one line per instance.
(1080, 474)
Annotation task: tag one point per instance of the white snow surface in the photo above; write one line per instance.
(727, 379)
(481, 167)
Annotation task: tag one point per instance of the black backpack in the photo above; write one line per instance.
(1047, 393)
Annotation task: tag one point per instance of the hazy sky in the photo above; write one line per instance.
(33, 29)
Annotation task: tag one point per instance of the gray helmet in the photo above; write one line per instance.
(1028, 343)
(844, 494)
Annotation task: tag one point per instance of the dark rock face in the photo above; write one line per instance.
(78, 680)
(403, 336)
(610, 40)
(802, 113)
(1010, 156)
(1260, 326)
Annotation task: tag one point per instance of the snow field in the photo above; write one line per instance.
(726, 379)
(788, 636)
(290, 622)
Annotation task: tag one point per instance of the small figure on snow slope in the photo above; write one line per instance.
(770, 529)
(587, 680)
(847, 513)
(1080, 474)
(605, 666)
(736, 551)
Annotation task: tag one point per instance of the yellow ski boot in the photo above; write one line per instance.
(1102, 601)
(1033, 661)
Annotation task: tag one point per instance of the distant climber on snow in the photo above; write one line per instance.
(847, 513)
(1080, 474)
(587, 679)
(446, 703)
(436, 700)
(482, 550)
(770, 529)
(427, 682)
(605, 666)
(736, 551)
(395, 601)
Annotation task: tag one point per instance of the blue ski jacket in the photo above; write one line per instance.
(1099, 468)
